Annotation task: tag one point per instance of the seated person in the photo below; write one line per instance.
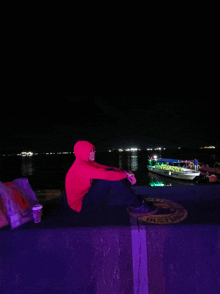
(83, 193)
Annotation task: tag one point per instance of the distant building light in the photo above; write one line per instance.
(128, 149)
(27, 153)
(134, 149)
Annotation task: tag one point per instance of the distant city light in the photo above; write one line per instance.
(207, 147)
(130, 149)
(31, 153)
(157, 148)
(27, 153)
(127, 149)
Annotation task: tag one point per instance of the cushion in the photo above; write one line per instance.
(3, 214)
(18, 198)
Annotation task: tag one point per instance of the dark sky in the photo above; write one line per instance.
(52, 97)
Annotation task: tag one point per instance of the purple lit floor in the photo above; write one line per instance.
(111, 252)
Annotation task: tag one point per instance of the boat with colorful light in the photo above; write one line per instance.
(173, 168)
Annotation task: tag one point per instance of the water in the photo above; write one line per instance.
(49, 171)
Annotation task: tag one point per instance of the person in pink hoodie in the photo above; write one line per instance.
(84, 193)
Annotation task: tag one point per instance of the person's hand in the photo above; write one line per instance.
(131, 178)
(130, 173)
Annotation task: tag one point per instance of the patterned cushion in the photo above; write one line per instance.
(3, 214)
(18, 198)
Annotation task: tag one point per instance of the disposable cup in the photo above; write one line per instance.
(37, 212)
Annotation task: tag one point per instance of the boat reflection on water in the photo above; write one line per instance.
(156, 180)
(157, 183)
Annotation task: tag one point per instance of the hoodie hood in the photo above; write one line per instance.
(82, 150)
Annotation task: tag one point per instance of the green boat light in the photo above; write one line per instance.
(156, 184)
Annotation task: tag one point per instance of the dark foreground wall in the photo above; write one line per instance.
(113, 253)
(66, 261)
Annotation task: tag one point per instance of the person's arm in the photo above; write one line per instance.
(98, 167)
(116, 169)
(95, 164)
(95, 172)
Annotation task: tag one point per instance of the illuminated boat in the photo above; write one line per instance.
(173, 168)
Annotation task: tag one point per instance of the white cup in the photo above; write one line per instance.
(37, 212)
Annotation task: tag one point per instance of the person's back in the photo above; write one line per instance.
(76, 185)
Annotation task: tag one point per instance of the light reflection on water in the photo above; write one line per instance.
(131, 161)
(167, 181)
(128, 161)
(27, 168)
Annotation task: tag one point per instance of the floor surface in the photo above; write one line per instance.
(112, 252)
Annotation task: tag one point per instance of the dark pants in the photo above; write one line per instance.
(104, 193)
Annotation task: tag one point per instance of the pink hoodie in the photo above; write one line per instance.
(78, 178)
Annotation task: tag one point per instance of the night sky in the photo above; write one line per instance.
(111, 91)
